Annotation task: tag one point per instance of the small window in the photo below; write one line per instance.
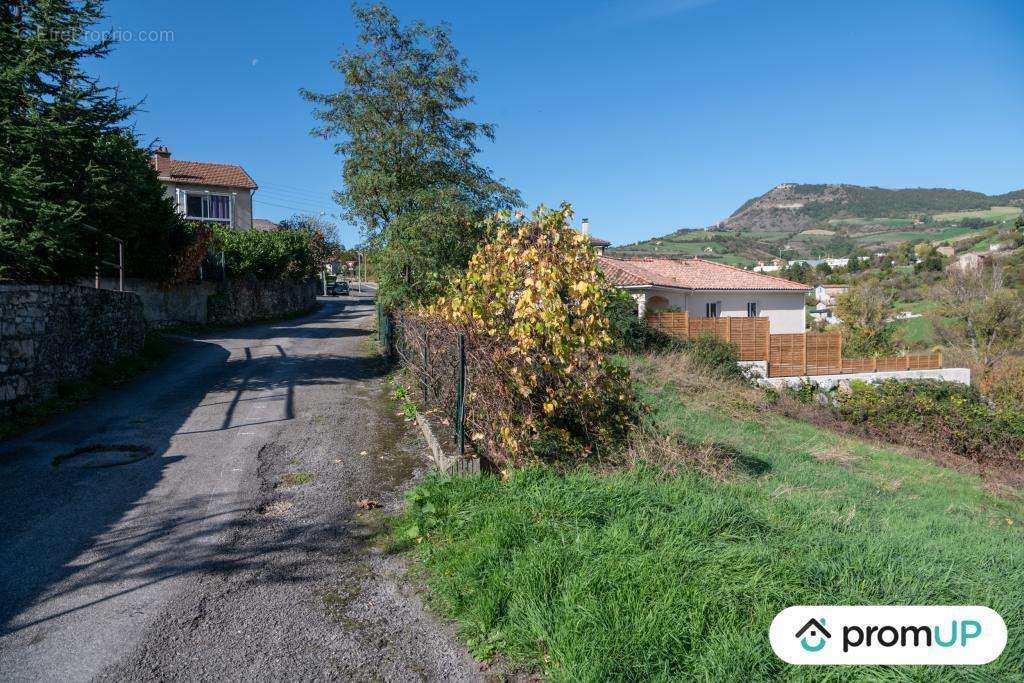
(711, 310)
(194, 206)
(752, 309)
(208, 207)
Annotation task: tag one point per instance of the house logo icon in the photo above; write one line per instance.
(815, 632)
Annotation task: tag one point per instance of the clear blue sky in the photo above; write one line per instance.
(647, 116)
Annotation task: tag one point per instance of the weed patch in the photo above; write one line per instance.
(296, 479)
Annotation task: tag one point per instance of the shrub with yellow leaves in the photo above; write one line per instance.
(534, 297)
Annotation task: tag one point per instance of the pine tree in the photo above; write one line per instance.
(67, 157)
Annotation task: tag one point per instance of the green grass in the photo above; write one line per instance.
(909, 235)
(887, 222)
(296, 479)
(70, 395)
(996, 213)
(916, 333)
(643, 576)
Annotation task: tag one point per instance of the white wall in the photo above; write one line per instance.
(828, 382)
(785, 310)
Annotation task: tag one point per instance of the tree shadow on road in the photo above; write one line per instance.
(93, 525)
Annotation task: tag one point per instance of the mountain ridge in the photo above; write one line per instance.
(790, 207)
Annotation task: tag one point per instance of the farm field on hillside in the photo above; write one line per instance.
(887, 222)
(910, 235)
(996, 213)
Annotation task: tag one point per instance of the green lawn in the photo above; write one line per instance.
(643, 575)
(916, 333)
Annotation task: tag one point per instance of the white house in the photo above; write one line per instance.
(707, 289)
(773, 267)
(971, 261)
(826, 294)
(201, 191)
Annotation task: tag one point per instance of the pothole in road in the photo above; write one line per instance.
(97, 456)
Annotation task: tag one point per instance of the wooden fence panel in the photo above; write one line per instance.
(890, 364)
(858, 365)
(717, 327)
(672, 323)
(914, 361)
(750, 336)
(786, 355)
(824, 353)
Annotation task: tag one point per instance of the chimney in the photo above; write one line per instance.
(162, 160)
(585, 227)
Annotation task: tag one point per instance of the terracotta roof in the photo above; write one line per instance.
(690, 274)
(202, 173)
(264, 225)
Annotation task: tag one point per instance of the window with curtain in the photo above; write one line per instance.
(711, 310)
(208, 207)
(752, 309)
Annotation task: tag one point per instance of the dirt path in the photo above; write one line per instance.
(236, 550)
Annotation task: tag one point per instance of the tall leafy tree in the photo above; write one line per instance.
(67, 157)
(976, 312)
(411, 181)
(865, 311)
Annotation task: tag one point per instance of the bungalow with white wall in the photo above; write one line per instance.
(707, 289)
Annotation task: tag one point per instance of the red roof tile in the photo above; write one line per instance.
(202, 173)
(689, 274)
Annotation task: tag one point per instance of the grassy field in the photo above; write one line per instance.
(996, 213)
(909, 235)
(916, 333)
(668, 574)
(887, 222)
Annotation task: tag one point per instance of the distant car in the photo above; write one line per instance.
(339, 288)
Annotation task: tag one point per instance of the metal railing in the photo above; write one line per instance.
(100, 262)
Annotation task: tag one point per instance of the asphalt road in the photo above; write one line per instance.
(204, 560)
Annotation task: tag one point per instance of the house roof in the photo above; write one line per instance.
(203, 173)
(264, 225)
(690, 274)
(598, 242)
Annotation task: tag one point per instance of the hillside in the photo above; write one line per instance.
(836, 220)
(792, 207)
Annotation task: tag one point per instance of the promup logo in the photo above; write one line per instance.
(888, 635)
(817, 630)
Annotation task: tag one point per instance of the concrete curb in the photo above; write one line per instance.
(448, 465)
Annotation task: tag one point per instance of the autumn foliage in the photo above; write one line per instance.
(534, 298)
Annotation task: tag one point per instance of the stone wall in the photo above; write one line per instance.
(231, 302)
(240, 301)
(51, 334)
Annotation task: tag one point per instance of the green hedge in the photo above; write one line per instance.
(954, 415)
(280, 254)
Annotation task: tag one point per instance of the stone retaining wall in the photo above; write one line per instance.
(52, 334)
(217, 303)
(239, 301)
